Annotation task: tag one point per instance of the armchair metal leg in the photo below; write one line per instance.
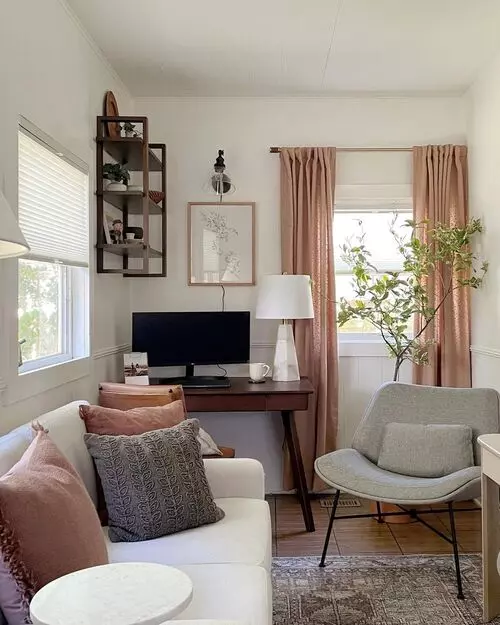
(454, 542)
(379, 513)
(329, 530)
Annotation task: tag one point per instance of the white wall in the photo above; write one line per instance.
(51, 74)
(193, 130)
(483, 102)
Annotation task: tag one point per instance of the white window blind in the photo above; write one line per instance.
(53, 204)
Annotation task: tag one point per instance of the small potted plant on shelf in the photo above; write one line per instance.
(129, 130)
(118, 176)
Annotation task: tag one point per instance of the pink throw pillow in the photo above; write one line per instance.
(113, 422)
(48, 523)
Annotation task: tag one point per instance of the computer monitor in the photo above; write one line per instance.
(192, 338)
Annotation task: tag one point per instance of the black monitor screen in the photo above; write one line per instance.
(184, 338)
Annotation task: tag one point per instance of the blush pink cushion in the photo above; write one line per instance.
(113, 422)
(48, 524)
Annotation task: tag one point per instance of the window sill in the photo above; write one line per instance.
(46, 379)
(32, 366)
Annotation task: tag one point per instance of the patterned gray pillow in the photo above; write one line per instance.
(154, 483)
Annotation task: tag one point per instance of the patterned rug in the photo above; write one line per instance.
(376, 590)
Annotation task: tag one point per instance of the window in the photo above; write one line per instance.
(53, 277)
(375, 223)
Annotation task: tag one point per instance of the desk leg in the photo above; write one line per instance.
(491, 545)
(299, 475)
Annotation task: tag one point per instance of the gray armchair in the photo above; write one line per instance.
(355, 470)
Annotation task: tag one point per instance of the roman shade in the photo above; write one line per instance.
(53, 203)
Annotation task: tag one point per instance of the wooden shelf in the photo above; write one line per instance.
(132, 250)
(129, 150)
(131, 200)
(138, 154)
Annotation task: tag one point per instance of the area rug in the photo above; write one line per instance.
(376, 590)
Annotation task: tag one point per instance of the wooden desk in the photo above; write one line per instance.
(490, 481)
(284, 397)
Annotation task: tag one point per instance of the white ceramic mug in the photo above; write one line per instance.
(258, 371)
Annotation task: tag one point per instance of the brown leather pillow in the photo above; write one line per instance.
(127, 396)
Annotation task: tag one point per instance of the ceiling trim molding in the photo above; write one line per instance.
(340, 95)
(94, 46)
(111, 351)
(485, 351)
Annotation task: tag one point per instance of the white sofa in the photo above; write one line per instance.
(228, 562)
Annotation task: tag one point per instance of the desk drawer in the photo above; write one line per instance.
(226, 403)
(287, 402)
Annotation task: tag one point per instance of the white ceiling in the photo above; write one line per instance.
(293, 47)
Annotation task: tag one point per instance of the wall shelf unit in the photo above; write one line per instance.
(147, 164)
(132, 250)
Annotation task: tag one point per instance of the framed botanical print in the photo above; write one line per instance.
(221, 243)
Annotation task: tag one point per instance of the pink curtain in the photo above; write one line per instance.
(440, 195)
(307, 191)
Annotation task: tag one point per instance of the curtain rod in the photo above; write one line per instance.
(275, 150)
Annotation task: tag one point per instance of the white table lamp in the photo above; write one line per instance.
(285, 297)
(12, 241)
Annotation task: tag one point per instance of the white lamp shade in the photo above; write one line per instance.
(12, 241)
(285, 297)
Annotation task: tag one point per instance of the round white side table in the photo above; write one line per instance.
(129, 593)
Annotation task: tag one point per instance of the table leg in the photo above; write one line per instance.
(491, 545)
(299, 475)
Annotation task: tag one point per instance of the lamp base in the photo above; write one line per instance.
(286, 367)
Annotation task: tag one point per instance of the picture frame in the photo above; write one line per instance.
(108, 225)
(113, 234)
(221, 243)
(135, 368)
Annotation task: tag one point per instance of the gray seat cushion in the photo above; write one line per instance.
(349, 471)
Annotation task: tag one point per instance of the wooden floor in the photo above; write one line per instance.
(366, 536)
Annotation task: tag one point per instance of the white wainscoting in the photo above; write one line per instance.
(485, 367)
(363, 368)
(105, 365)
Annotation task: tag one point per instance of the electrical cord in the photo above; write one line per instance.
(223, 308)
(222, 369)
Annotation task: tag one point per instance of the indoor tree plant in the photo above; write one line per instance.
(117, 174)
(390, 300)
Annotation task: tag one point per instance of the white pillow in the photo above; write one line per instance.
(208, 446)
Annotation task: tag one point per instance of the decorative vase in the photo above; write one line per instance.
(116, 186)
